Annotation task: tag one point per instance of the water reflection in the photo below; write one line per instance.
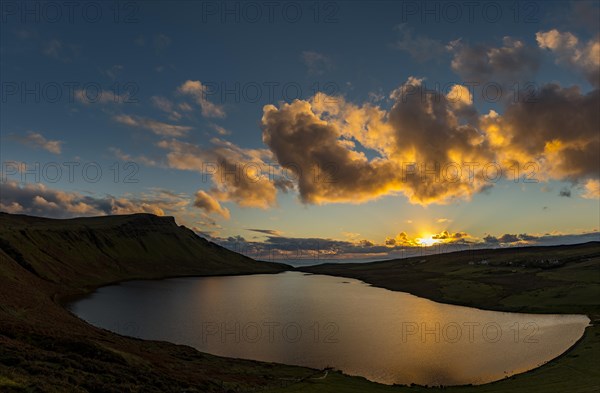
(320, 321)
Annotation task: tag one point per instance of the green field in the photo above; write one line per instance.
(44, 348)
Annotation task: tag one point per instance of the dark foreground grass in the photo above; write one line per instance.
(44, 348)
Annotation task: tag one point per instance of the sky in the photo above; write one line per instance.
(296, 129)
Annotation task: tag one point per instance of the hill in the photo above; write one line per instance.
(44, 348)
(93, 251)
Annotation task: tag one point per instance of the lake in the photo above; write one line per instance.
(324, 321)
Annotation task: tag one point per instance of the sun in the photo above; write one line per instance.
(427, 240)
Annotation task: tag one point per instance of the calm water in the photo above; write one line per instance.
(319, 321)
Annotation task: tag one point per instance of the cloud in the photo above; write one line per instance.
(100, 96)
(449, 236)
(312, 248)
(159, 202)
(399, 240)
(129, 158)
(317, 63)
(592, 189)
(53, 48)
(58, 50)
(420, 147)
(300, 246)
(239, 175)
(571, 52)
(420, 47)
(157, 127)
(524, 236)
(166, 106)
(565, 192)
(557, 134)
(318, 141)
(113, 71)
(220, 130)
(37, 199)
(506, 65)
(586, 14)
(508, 238)
(38, 141)
(161, 42)
(209, 204)
(376, 96)
(442, 220)
(199, 92)
(524, 239)
(272, 232)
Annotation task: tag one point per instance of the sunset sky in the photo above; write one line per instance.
(332, 125)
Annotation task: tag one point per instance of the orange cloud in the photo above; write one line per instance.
(432, 149)
(209, 204)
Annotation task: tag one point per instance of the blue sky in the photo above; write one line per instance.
(185, 84)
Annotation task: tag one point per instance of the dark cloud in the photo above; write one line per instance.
(571, 52)
(558, 132)
(491, 239)
(273, 232)
(586, 14)
(316, 63)
(524, 236)
(448, 235)
(508, 238)
(565, 192)
(420, 47)
(280, 247)
(512, 63)
(290, 248)
(37, 199)
(161, 42)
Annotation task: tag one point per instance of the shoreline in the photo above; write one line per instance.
(429, 387)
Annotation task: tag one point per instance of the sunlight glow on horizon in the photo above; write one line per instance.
(427, 240)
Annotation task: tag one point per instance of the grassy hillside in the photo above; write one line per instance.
(44, 348)
(555, 279)
(96, 250)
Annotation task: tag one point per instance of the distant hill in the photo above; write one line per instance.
(96, 250)
(548, 279)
